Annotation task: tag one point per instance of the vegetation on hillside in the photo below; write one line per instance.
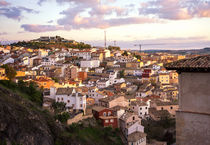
(10, 72)
(162, 130)
(50, 45)
(28, 90)
(114, 48)
(88, 132)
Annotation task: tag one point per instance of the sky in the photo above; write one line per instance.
(155, 24)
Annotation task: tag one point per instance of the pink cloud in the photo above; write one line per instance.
(4, 3)
(41, 28)
(176, 9)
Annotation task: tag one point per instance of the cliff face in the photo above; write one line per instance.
(21, 122)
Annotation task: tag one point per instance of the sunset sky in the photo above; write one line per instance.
(168, 24)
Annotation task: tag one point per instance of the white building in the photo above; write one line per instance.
(90, 63)
(103, 83)
(141, 108)
(129, 123)
(8, 60)
(94, 93)
(99, 70)
(85, 54)
(71, 97)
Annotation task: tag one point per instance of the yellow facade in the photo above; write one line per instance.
(20, 74)
(110, 63)
(180, 57)
(164, 78)
(173, 77)
(2, 74)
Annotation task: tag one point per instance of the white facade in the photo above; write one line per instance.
(99, 70)
(90, 63)
(141, 110)
(134, 127)
(103, 83)
(8, 60)
(75, 100)
(83, 54)
(96, 95)
(137, 72)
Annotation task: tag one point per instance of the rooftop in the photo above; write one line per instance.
(64, 91)
(98, 108)
(133, 137)
(195, 64)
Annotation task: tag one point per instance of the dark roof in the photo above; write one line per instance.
(195, 64)
(64, 91)
(135, 136)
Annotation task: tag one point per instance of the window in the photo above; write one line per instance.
(140, 113)
(68, 101)
(133, 107)
(62, 99)
(145, 113)
(171, 107)
(161, 108)
(109, 113)
(58, 99)
(104, 113)
(80, 105)
(140, 108)
(145, 107)
(111, 120)
(133, 117)
(106, 121)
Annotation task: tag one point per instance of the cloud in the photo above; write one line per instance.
(3, 33)
(99, 15)
(4, 3)
(176, 9)
(42, 28)
(15, 12)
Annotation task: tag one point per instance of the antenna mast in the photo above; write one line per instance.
(105, 38)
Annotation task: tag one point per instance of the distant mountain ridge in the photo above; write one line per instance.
(205, 50)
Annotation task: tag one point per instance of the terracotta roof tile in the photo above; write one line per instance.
(195, 64)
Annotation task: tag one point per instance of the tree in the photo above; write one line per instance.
(63, 117)
(122, 74)
(10, 72)
(113, 47)
(59, 107)
(125, 53)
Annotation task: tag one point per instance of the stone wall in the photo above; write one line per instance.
(192, 129)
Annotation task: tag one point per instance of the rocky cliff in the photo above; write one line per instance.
(22, 122)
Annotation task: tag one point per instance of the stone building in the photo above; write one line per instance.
(193, 116)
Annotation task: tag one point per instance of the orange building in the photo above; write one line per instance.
(82, 76)
(90, 101)
(44, 82)
(20, 74)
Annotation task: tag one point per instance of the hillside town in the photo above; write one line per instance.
(119, 88)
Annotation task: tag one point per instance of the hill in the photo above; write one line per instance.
(23, 122)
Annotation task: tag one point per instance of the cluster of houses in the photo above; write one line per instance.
(120, 89)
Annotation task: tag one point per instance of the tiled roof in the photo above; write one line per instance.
(126, 115)
(161, 103)
(135, 136)
(64, 91)
(98, 108)
(139, 103)
(195, 64)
